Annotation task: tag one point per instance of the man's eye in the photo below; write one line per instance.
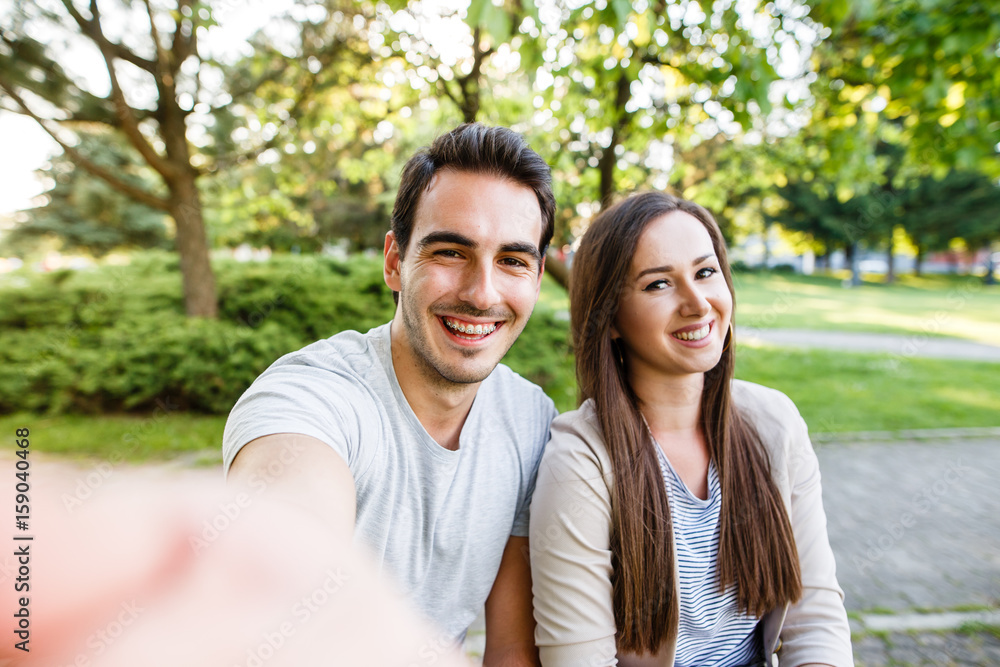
(656, 285)
(447, 252)
(514, 261)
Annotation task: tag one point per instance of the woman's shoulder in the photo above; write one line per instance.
(577, 440)
(583, 418)
(768, 409)
(757, 397)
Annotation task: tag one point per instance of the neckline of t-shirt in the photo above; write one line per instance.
(700, 503)
(430, 444)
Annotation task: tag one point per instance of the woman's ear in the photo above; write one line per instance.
(614, 333)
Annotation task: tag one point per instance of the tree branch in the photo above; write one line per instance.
(127, 189)
(123, 112)
(87, 28)
(161, 58)
(183, 46)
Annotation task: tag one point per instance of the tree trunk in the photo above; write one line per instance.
(557, 268)
(200, 298)
(918, 263)
(608, 159)
(890, 262)
(767, 245)
(853, 258)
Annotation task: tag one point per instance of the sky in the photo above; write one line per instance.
(30, 146)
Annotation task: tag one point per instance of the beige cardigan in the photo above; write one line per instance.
(571, 556)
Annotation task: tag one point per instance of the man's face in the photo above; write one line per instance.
(470, 276)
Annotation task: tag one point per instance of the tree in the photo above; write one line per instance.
(961, 205)
(931, 65)
(86, 213)
(159, 95)
(630, 89)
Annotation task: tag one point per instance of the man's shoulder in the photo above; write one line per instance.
(341, 351)
(508, 386)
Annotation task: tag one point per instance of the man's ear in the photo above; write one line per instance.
(541, 272)
(391, 265)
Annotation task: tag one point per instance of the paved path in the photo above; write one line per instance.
(915, 526)
(912, 345)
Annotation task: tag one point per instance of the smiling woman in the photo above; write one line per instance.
(677, 516)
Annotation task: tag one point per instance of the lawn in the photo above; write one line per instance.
(936, 305)
(838, 392)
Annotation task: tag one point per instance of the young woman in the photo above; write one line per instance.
(677, 517)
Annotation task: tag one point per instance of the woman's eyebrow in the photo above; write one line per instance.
(667, 268)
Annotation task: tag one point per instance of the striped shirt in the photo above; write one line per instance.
(712, 631)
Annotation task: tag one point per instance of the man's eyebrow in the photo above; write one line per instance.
(524, 248)
(446, 237)
(668, 268)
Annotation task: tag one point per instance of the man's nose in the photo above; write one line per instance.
(479, 287)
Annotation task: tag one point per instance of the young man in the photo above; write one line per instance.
(412, 433)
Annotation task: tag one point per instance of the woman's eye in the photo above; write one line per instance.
(707, 272)
(656, 285)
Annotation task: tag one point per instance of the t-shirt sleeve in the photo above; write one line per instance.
(546, 413)
(295, 398)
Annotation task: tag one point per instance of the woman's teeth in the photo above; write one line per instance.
(697, 334)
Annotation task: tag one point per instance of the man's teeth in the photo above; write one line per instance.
(697, 334)
(471, 329)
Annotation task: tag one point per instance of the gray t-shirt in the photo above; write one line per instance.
(437, 520)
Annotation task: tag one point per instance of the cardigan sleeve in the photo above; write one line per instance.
(570, 549)
(816, 629)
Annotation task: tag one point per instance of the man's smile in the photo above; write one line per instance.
(467, 330)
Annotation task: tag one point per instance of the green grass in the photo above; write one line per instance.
(959, 306)
(837, 391)
(156, 436)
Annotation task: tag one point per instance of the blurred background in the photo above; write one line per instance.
(192, 189)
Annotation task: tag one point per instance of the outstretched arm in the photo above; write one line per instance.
(302, 471)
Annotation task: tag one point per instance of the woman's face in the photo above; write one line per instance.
(676, 307)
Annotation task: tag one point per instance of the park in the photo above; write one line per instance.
(217, 179)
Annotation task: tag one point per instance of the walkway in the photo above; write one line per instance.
(912, 345)
(915, 526)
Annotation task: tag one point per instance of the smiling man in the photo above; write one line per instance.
(412, 434)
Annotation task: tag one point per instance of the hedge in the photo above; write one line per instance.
(115, 339)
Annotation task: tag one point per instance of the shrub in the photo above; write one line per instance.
(116, 338)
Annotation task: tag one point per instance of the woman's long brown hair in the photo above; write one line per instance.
(757, 550)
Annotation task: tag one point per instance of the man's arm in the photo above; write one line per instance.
(510, 626)
(301, 470)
